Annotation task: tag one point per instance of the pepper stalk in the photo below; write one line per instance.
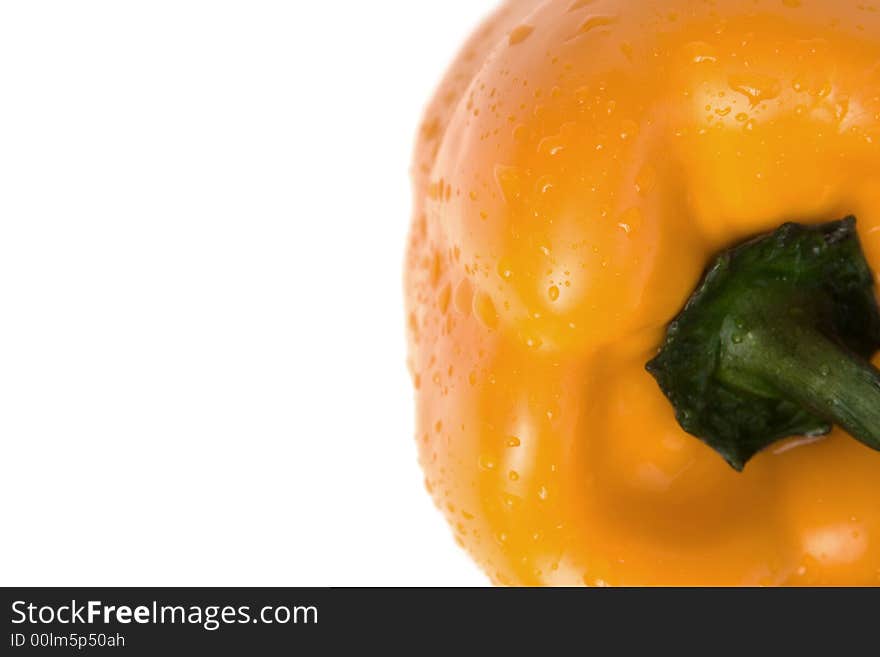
(775, 342)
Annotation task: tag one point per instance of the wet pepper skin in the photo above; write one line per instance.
(580, 164)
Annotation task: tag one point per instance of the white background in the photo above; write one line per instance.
(203, 211)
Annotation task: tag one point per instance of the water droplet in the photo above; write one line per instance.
(513, 475)
(630, 220)
(520, 34)
(756, 87)
(551, 146)
(444, 298)
(504, 269)
(553, 293)
(595, 22)
(513, 441)
(436, 269)
(484, 310)
(700, 52)
(580, 4)
(628, 129)
(544, 185)
(463, 296)
(511, 500)
(487, 463)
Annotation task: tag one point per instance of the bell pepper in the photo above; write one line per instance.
(640, 288)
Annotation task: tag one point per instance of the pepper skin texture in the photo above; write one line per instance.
(580, 165)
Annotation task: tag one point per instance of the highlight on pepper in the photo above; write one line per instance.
(641, 293)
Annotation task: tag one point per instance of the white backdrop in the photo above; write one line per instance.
(203, 209)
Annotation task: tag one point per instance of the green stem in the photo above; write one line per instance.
(804, 366)
(776, 342)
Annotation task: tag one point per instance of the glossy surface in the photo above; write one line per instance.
(578, 167)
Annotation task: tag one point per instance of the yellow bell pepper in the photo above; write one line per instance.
(580, 168)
